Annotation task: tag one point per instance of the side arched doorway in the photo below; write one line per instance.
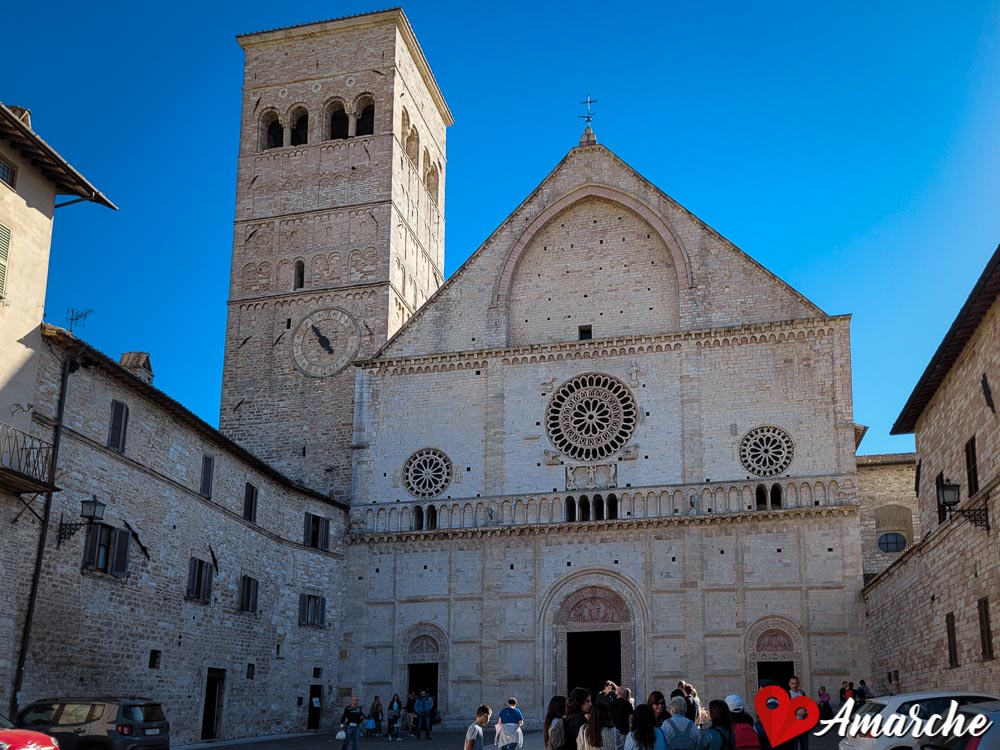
(424, 663)
(592, 629)
(775, 650)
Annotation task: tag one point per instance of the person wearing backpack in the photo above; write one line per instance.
(679, 731)
(554, 728)
(744, 733)
(719, 736)
(645, 734)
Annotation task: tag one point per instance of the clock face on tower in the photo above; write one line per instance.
(325, 342)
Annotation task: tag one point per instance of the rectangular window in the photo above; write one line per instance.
(312, 610)
(248, 594)
(199, 580)
(251, 671)
(586, 333)
(985, 631)
(154, 659)
(106, 550)
(4, 258)
(207, 470)
(949, 625)
(119, 426)
(8, 173)
(317, 532)
(972, 466)
(250, 503)
(916, 479)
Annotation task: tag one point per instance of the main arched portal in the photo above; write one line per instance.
(592, 624)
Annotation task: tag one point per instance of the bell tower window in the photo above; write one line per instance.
(339, 124)
(300, 275)
(272, 132)
(366, 117)
(300, 128)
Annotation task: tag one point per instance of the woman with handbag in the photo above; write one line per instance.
(375, 718)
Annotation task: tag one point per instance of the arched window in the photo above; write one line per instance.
(413, 146)
(366, 116)
(612, 507)
(598, 508)
(337, 117)
(405, 129)
(761, 497)
(570, 509)
(432, 518)
(272, 134)
(431, 181)
(418, 518)
(300, 127)
(584, 509)
(300, 275)
(775, 496)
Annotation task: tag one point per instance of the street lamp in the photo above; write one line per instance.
(90, 511)
(948, 498)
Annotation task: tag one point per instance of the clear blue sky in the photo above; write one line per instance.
(852, 148)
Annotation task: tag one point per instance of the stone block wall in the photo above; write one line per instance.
(95, 633)
(888, 505)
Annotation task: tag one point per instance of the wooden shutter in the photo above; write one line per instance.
(250, 503)
(322, 611)
(193, 578)
(90, 546)
(119, 553)
(303, 608)
(324, 533)
(254, 585)
(207, 469)
(119, 425)
(307, 529)
(4, 259)
(207, 587)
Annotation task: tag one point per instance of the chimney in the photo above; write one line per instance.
(22, 114)
(138, 364)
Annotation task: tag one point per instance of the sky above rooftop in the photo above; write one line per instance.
(851, 148)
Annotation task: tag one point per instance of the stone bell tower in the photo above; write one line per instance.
(339, 230)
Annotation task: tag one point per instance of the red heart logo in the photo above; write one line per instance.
(780, 723)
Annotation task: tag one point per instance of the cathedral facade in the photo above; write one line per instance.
(610, 446)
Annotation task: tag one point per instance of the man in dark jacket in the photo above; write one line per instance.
(351, 721)
(621, 711)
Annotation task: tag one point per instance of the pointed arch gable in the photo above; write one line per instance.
(679, 255)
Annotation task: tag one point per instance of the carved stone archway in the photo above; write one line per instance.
(774, 639)
(425, 643)
(586, 602)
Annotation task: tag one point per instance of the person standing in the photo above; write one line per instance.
(474, 735)
(608, 693)
(509, 735)
(554, 728)
(679, 731)
(351, 721)
(719, 736)
(394, 710)
(658, 703)
(424, 707)
(825, 711)
(410, 713)
(600, 732)
(375, 714)
(621, 711)
(577, 706)
(645, 734)
(843, 693)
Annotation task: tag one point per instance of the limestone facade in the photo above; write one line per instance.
(951, 579)
(133, 625)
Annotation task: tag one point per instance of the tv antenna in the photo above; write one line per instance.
(74, 316)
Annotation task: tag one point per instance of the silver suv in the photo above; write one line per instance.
(99, 723)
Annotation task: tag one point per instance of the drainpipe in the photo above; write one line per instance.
(70, 365)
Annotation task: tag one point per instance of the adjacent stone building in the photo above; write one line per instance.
(931, 613)
(890, 522)
(32, 174)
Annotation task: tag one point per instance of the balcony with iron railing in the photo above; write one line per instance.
(25, 462)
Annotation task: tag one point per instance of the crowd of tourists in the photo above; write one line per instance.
(416, 715)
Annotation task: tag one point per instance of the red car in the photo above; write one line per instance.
(24, 739)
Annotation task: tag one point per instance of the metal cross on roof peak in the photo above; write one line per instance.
(590, 115)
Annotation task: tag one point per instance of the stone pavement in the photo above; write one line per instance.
(443, 740)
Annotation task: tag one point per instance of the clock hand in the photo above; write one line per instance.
(324, 342)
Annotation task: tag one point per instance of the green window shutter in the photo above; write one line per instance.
(4, 257)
